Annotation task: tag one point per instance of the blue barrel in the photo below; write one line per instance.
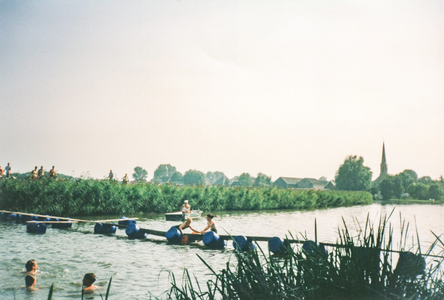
(109, 228)
(125, 222)
(100, 228)
(39, 228)
(276, 245)
(64, 225)
(55, 225)
(241, 242)
(133, 232)
(313, 249)
(174, 235)
(11, 217)
(213, 240)
(19, 219)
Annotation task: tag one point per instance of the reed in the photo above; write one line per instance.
(102, 197)
(360, 266)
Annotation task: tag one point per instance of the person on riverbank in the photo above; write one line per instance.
(110, 175)
(41, 172)
(52, 173)
(125, 179)
(8, 170)
(185, 225)
(31, 266)
(30, 281)
(33, 174)
(211, 225)
(186, 208)
(88, 282)
(1, 172)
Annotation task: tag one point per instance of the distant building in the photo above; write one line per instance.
(304, 183)
(311, 183)
(384, 168)
(223, 180)
(287, 182)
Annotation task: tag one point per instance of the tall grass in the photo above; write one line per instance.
(359, 266)
(95, 197)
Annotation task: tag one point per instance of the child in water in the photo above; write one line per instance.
(88, 281)
(31, 266)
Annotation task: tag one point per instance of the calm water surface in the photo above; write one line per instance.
(141, 268)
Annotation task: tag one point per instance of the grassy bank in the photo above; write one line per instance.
(96, 197)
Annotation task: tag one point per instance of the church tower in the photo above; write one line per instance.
(384, 168)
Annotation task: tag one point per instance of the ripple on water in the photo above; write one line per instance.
(139, 267)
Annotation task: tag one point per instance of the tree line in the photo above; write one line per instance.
(167, 173)
(352, 175)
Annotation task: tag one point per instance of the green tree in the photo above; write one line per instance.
(408, 177)
(411, 174)
(419, 191)
(194, 177)
(391, 187)
(352, 175)
(164, 172)
(436, 191)
(245, 180)
(177, 178)
(140, 174)
(262, 180)
(425, 180)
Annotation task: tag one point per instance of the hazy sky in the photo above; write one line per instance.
(286, 88)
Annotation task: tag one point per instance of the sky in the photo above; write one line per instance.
(285, 88)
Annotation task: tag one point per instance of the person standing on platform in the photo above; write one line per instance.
(111, 175)
(1, 172)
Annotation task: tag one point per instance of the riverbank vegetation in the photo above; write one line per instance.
(360, 266)
(96, 197)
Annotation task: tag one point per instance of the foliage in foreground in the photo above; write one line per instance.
(98, 197)
(354, 268)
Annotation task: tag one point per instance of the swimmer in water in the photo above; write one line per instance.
(88, 281)
(30, 281)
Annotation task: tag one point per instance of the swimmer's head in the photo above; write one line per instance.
(89, 279)
(31, 265)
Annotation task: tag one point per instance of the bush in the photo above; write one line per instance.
(104, 197)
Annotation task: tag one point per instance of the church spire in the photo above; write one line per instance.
(383, 162)
(384, 168)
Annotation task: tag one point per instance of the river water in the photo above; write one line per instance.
(140, 269)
